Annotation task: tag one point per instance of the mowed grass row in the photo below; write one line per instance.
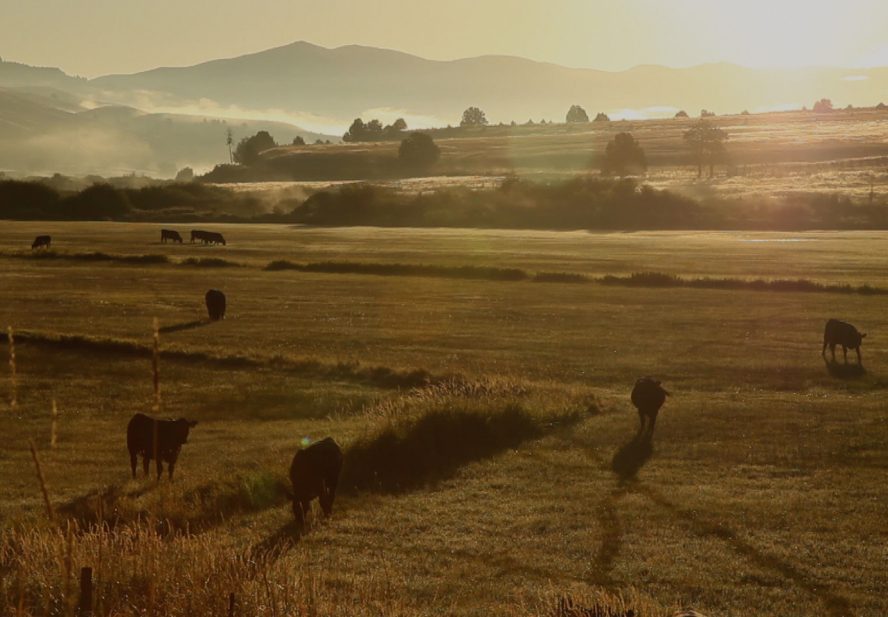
(830, 257)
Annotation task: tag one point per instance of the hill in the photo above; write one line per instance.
(349, 81)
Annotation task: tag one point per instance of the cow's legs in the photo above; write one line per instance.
(170, 467)
(145, 462)
(159, 468)
(832, 349)
(823, 351)
(133, 457)
(328, 494)
(845, 351)
(859, 359)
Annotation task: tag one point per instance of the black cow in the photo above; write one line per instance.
(212, 237)
(147, 436)
(844, 334)
(215, 300)
(315, 473)
(648, 396)
(197, 234)
(41, 242)
(170, 234)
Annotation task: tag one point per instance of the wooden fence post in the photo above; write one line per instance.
(85, 608)
(40, 477)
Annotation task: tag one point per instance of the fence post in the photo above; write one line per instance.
(231, 604)
(46, 501)
(85, 608)
(13, 402)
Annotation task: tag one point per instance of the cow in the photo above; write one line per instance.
(215, 300)
(648, 396)
(840, 333)
(197, 234)
(314, 472)
(41, 242)
(156, 439)
(212, 237)
(171, 235)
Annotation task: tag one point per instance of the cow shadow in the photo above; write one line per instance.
(835, 604)
(841, 370)
(188, 325)
(631, 457)
(277, 544)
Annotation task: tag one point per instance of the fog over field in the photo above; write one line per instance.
(535, 309)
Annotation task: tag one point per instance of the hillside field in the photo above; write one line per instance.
(481, 421)
(768, 155)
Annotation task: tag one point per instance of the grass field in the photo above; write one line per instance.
(769, 155)
(764, 493)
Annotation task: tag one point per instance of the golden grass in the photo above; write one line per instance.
(762, 493)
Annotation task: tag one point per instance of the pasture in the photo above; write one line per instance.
(764, 493)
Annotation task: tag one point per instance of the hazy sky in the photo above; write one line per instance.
(94, 37)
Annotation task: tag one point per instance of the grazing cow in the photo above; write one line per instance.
(212, 237)
(844, 334)
(648, 396)
(170, 234)
(41, 242)
(158, 439)
(197, 234)
(215, 300)
(315, 473)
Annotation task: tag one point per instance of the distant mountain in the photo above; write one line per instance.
(348, 81)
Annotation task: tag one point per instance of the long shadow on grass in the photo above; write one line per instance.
(844, 371)
(435, 446)
(836, 605)
(188, 325)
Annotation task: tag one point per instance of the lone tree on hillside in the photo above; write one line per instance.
(681, 114)
(823, 106)
(249, 148)
(602, 117)
(577, 114)
(298, 141)
(473, 117)
(707, 144)
(418, 151)
(623, 156)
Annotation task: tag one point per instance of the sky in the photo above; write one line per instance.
(97, 37)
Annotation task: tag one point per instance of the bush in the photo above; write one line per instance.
(577, 114)
(624, 155)
(418, 151)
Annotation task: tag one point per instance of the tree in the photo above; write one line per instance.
(602, 117)
(298, 141)
(707, 114)
(399, 125)
(823, 106)
(473, 117)
(186, 174)
(682, 114)
(881, 106)
(624, 155)
(707, 144)
(356, 131)
(577, 114)
(418, 150)
(249, 148)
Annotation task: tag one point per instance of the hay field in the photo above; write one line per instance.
(764, 493)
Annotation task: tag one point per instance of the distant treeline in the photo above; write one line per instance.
(586, 202)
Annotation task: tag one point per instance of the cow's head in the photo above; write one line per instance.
(860, 338)
(182, 426)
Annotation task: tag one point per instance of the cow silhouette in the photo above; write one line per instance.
(840, 333)
(41, 242)
(648, 396)
(161, 440)
(215, 301)
(171, 235)
(314, 473)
